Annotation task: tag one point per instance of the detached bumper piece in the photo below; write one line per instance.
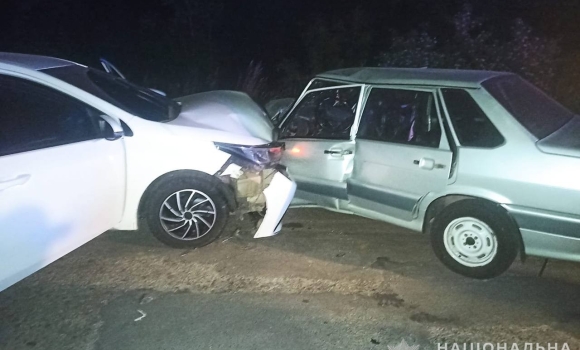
(267, 191)
(278, 194)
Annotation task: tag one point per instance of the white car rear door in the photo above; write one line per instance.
(61, 182)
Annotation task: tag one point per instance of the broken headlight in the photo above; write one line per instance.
(263, 156)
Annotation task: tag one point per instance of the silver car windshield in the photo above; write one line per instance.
(536, 111)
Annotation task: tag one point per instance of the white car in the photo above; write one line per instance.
(83, 151)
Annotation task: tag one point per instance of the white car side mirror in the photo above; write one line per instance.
(113, 128)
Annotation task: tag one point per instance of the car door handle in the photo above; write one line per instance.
(17, 181)
(428, 164)
(337, 152)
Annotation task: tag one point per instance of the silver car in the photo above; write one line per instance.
(484, 162)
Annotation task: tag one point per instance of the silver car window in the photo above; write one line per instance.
(401, 116)
(323, 114)
(471, 124)
(536, 111)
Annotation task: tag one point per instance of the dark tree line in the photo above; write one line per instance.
(271, 48)
(461, 40)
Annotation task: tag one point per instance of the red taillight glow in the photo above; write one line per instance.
(275, 154)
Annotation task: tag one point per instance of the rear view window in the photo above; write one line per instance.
(537, 112)
(471, 125)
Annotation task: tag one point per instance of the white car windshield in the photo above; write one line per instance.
(136, 100)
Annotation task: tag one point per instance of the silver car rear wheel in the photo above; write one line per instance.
(475, 238)
(470, 241)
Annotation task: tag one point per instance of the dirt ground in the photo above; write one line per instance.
(328, 281)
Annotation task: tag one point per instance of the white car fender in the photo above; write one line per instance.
(153, 152)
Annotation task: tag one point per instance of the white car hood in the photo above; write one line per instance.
(225, 113)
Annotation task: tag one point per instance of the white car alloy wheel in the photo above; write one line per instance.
(187, 214)
(470, 242)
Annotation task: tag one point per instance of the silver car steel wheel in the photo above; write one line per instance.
(187, 214)
(470, 242)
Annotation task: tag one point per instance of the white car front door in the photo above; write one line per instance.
(61, 182)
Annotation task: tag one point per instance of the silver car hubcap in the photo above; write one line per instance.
(187, 214)
(470, 242)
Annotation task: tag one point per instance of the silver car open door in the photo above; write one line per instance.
(319, 137)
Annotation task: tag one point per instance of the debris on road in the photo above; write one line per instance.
(143, 315)
(146, 299)
(389, 299)
(187, 252)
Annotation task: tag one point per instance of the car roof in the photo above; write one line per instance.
(412, 76)
(33, 62)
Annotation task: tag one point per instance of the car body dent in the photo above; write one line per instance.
(238, 114)
(152, 157)
(203, 156)
(179, 128)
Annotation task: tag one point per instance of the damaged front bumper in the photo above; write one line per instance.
(278, 195)
(267, 192)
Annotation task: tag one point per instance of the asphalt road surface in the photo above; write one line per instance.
(328, 281)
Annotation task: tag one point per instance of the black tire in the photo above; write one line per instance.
(496, 219)
(179, 181)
